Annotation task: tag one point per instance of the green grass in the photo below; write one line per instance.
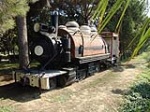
(6, 109)
(101, 80)
(7, 68)
(6, 65)
(61, 97)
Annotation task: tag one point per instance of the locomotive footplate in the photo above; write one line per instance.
(87, 59)
(43, 79)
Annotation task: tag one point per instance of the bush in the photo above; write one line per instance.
(138, 98)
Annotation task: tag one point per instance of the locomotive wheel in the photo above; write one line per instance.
(61, 81)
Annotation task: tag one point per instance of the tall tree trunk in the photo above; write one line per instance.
(22, 42)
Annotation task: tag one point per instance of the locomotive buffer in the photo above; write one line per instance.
(42, 79)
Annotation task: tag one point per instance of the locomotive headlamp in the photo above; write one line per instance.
(36, 27)
(38, 50)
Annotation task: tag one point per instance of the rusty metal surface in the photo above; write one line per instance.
(92, 43)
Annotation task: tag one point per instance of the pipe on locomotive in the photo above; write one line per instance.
(66, 41)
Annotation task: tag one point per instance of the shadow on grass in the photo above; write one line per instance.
(120, 68)
(128, 66)
(17, 92)
(120, 91)
(143, 89)
(117, 69)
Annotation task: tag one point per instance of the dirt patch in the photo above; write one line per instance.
(101, 92)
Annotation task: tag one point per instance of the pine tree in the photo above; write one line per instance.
(9, 9)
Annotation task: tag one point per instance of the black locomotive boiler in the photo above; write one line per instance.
(67, 53)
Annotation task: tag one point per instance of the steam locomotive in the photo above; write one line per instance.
(67, 53)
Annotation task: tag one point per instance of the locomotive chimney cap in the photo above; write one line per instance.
(72, 24)
(85, 29)
(93, 29)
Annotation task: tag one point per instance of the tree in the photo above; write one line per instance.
(22, 42)
(144, 37)
(8, 42)
(130, 23)
(10, 9)
(22, 36)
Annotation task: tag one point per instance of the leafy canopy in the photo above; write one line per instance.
(9, 9)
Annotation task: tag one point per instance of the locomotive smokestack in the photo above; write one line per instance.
(54, 20)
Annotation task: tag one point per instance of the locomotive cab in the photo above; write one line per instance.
(112, 40)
